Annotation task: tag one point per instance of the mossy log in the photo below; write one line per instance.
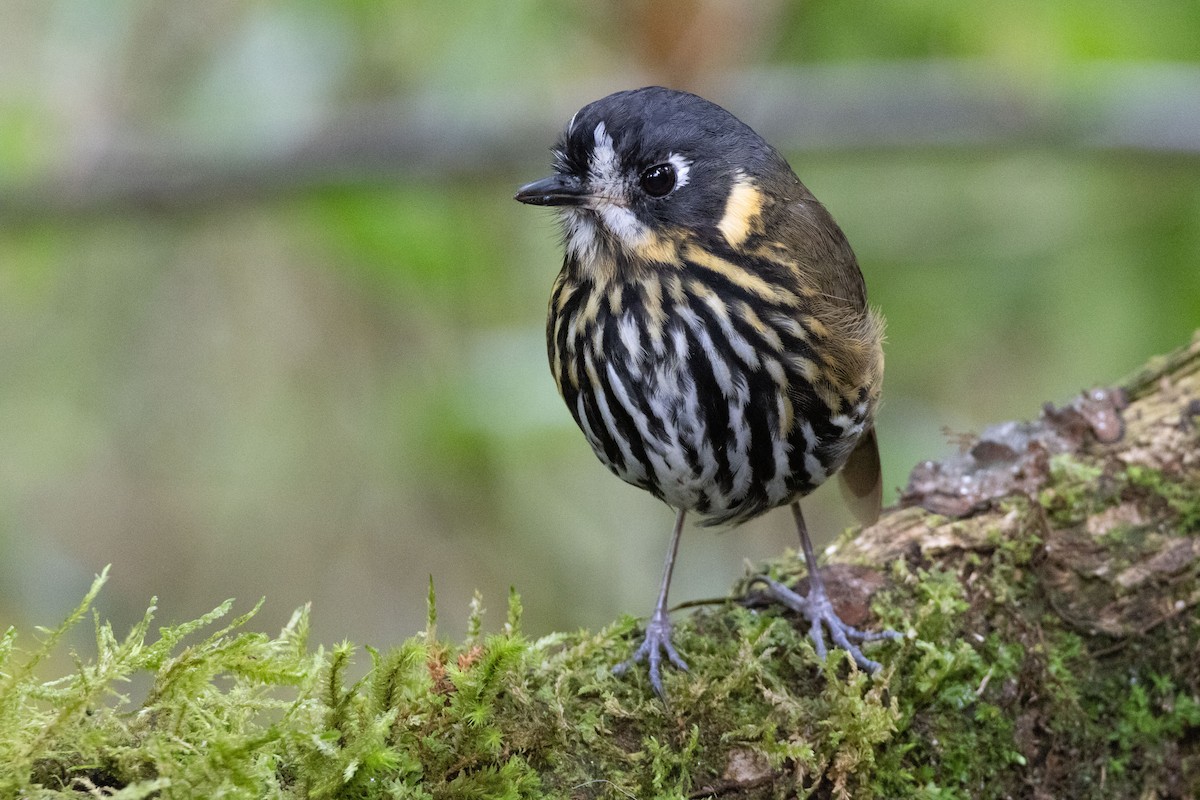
(1053, 651)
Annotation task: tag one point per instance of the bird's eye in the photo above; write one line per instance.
(659, 180)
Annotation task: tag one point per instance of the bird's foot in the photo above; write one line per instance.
(654, 646)
(820, 612)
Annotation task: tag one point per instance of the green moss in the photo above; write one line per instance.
(1181, 496)
(1123, 723)
(952, 741)
(1070, 493)
(247, 715)
(1153, 711)
(989, 694)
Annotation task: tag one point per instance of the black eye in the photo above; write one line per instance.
(659, 180)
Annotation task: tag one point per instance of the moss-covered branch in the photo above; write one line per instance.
(1051, 606)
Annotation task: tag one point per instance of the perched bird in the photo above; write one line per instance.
(709, 330)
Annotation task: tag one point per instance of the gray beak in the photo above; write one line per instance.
(557, 190)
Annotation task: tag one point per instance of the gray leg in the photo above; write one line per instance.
(658, 630)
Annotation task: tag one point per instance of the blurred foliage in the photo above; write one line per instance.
(334, 391)
(1022, 35)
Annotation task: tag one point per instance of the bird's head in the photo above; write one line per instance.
(641, 169)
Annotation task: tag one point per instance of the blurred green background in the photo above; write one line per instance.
(271, 324)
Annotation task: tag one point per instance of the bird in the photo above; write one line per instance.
(709, 332)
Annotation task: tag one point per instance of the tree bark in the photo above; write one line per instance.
(1072, 544)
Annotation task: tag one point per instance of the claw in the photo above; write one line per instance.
(820, 612)
(656, 643)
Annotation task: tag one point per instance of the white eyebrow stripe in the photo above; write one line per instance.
(605, 166)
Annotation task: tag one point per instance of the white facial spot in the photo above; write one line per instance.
(623, 223)
(682, 167)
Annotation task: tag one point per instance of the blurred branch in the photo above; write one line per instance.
(1143, 108)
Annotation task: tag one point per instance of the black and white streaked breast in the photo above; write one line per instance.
(697, 384)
